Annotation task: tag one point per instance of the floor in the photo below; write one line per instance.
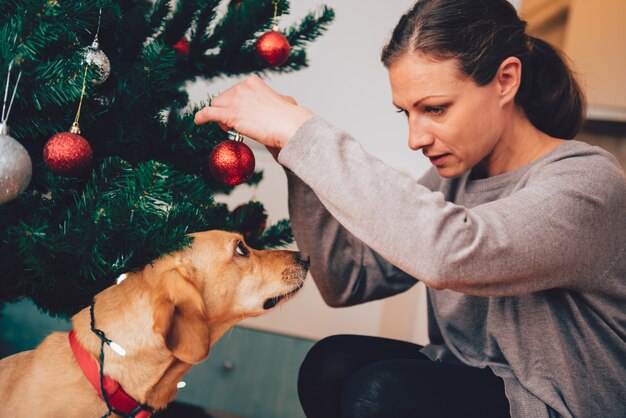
(183, 410)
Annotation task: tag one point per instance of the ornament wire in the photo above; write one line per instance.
(275, 18)
(95, 39)
(276, 3)
(5, 116)
(82, 94)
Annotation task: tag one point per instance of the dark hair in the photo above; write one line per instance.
(480, 34)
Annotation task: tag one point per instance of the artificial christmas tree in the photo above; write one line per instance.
(67, 237)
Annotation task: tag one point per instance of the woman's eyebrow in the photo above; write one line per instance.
(421, 100)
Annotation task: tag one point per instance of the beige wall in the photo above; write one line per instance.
(593, 35)
(546, 19)
(595, 40)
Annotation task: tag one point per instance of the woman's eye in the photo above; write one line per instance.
(241, 249)
(403, 111)
(435, 110)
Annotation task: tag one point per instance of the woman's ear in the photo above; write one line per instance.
(180, 317)
(509, 78)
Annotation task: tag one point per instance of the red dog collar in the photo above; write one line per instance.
(119, 400)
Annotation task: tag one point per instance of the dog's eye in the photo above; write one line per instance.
(241, 249)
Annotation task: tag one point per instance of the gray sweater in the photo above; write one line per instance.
(526, 270)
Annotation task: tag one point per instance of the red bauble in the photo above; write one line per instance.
(273, 48)
(182, 46)
(235, 3)
(231, 162)
(68, 154)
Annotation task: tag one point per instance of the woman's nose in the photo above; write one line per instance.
(419, 138)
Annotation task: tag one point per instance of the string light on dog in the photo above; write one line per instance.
(140, 408)
(114, 346)
(121, 278)
(117, 348)
(181, 384)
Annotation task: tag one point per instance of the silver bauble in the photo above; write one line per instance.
(94, 57)
(15, 167)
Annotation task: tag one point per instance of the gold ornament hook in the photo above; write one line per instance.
(275, 18)
(80, 103)
(235, 136)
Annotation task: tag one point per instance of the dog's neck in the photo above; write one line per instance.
(148, 372)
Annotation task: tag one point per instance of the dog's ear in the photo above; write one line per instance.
(180, 317)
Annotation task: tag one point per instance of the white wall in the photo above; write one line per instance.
(346, 84)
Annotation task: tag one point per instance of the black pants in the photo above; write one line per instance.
(351, 376)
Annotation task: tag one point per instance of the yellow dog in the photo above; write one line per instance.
(163, 319)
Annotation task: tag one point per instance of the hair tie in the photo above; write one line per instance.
(530, 43)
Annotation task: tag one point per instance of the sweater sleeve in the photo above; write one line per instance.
(537, 238)
(345, 270)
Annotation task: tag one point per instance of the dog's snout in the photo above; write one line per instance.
(301, 261)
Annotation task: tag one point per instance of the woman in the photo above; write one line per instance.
(518, 233)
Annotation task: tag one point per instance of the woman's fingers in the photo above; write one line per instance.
(256, 111)
(212, 114)
(224, 127)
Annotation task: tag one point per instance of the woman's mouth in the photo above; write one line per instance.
(438, 160)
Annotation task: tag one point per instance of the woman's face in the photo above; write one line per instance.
(455, 122)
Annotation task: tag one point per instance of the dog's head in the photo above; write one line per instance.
(219, 280)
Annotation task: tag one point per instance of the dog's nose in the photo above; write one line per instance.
(302, 262)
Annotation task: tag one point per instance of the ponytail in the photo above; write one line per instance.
(549, 93)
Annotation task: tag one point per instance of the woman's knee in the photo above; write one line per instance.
(325, 359)
(321, 376)
(369, 393)
(335, 358)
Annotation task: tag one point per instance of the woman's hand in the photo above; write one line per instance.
(255, 110)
